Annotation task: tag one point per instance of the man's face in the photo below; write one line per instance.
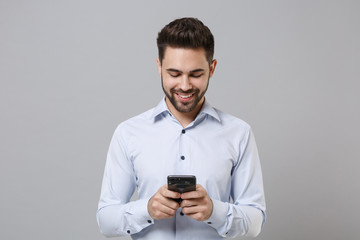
(185, 75)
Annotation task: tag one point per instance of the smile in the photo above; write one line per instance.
(185, 97)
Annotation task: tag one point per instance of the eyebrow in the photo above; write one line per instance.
(178, 71)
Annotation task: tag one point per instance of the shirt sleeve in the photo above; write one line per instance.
(117, 215)
(245, 216)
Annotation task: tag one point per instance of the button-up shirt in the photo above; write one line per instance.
(219, 149)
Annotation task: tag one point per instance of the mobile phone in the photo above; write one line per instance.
(181, 184)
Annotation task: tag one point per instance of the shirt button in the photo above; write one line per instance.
(183, 131)
(149, 221)
(209, 222)
(128, 231)
(182, 157)
(181, 213)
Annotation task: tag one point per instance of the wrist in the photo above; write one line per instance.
(211, 209)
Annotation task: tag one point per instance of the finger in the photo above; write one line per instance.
(192, 195)
(198, 213)
(158, 210)
(170, 203)
(189, 203)
(166, 201)
(198, 193)
(161, 214)
(199, 187)
(165, 210)
(196, 216)
(193, 210)
(168, 193)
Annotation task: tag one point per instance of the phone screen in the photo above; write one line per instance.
(182, 183)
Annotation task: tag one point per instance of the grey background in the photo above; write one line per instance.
(71, 71)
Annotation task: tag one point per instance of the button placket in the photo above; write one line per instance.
(182, 132)
(183, 145)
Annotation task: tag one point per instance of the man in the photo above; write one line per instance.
(183, 134)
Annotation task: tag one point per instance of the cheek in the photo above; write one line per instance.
(202, 84)
(168, 83)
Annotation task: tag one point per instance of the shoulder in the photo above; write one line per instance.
(229, 120)
(135, 123)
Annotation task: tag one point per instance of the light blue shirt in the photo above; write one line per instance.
(216, 147)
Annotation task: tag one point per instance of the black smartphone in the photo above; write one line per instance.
(181, 184)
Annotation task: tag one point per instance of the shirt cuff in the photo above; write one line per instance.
(139, 214)
(218, 217)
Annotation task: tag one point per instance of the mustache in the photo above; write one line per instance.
(190, 91)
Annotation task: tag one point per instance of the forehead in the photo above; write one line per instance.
(187, 58)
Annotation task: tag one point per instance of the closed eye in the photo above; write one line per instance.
(173, 72)
(174, 75)
(196, 76)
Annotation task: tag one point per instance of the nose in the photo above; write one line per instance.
(185, 84)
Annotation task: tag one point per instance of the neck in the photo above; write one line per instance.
(185, 118)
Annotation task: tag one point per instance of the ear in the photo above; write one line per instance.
(158, 65)
(212, 67)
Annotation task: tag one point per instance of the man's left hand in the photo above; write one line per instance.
(197, 204)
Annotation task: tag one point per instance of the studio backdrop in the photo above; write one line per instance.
(71, 71)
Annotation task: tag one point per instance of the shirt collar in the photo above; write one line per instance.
(207, 109)
(159, 109)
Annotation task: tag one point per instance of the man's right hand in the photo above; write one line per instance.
(161, 205)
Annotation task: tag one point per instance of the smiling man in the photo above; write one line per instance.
(183, 135)
(185, 75)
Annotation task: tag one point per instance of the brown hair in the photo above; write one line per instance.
(186, 33)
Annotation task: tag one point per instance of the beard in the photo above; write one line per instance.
(184, 107)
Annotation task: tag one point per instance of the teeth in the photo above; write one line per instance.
(186, 96)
